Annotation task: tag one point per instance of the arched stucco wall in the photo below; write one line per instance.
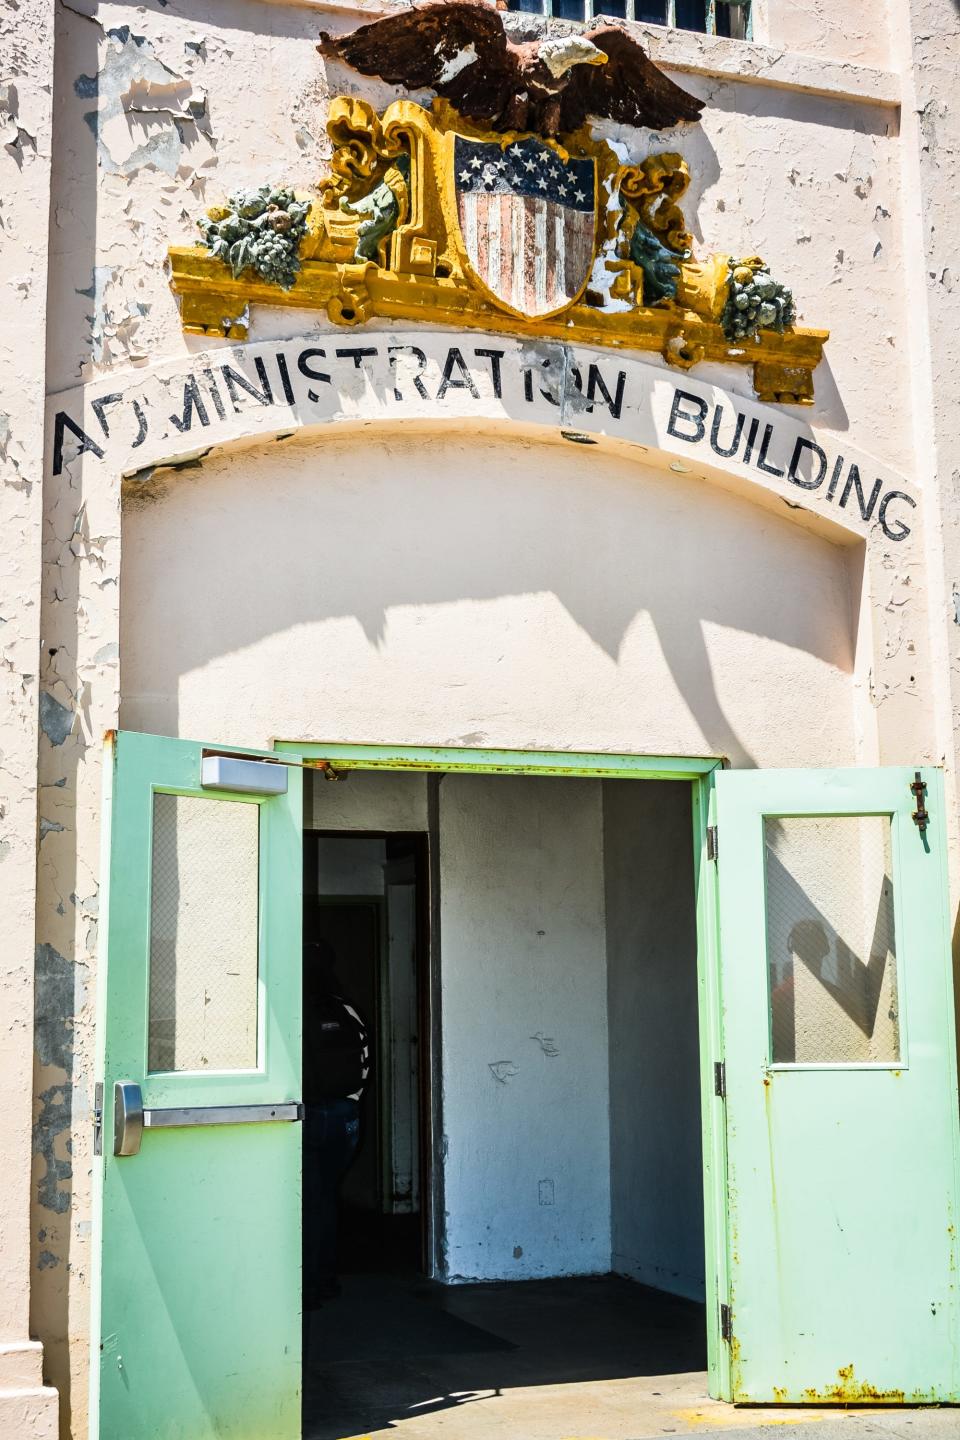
(442, 588)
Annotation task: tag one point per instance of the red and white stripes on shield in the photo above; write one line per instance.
(533, 254)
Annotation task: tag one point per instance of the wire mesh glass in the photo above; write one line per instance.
(204, 948)
(831, 943)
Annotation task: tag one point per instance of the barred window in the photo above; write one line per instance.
(709, 17)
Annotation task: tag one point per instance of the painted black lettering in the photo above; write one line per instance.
(419, 355)
(835, 477)
(495, 357)
(696, 420)
(142, 423)
(725, 450)
(192, 401)
(762, 457)
(215, 396)
(462, 381)
(357, 353)
(99, 408)
(751, 440)
(595, 382)
(303, 365)
(793, 472)
(853, 483)
(234, 380)
(528, 385)
(549, 395)
(285, 378)
(62, 423)
(902, 531)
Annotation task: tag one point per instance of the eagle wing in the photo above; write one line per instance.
(629, 88)
(458, 50)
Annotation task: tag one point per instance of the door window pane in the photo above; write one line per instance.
(831, 949)
(204, 915)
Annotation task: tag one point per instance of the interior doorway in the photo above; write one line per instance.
(559, 1064)
(363, 899)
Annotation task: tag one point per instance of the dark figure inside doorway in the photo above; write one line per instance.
(336, 1064)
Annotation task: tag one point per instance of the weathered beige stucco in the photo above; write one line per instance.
(857, 31)
(470, 591)
(26, 70)
(419, 582)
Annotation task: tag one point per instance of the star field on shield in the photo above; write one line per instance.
(523, 168)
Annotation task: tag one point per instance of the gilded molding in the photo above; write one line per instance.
(383, 240)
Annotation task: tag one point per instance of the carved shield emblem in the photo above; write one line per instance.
(527, 222)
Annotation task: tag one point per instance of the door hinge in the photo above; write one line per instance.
(720, 1078)
(920, 816)
(713, 844)
(98, 1118)
(726, 1323)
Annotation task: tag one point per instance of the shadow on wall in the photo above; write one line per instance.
(389, 533)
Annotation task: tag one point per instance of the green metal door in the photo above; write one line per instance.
(196, 1307)
(841, 1087)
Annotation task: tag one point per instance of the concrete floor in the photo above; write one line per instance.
(583, 1359)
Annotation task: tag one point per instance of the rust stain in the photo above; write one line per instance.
(851, 1391)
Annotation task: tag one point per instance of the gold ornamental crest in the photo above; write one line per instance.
(497, 208)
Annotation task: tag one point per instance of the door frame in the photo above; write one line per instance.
(699, 772)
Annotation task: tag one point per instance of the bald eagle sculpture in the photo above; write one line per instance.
(461, 51)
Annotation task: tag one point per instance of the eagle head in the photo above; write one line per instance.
(562, 54)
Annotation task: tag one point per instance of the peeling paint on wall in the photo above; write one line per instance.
(146, 114)
(56, 721)
(56, 995)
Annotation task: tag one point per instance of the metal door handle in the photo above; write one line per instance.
(131, 1119)
(220, 1115)
(127, 1117)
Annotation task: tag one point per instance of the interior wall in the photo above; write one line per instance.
(656, 1178)
(366, 800)
(524, 1054)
